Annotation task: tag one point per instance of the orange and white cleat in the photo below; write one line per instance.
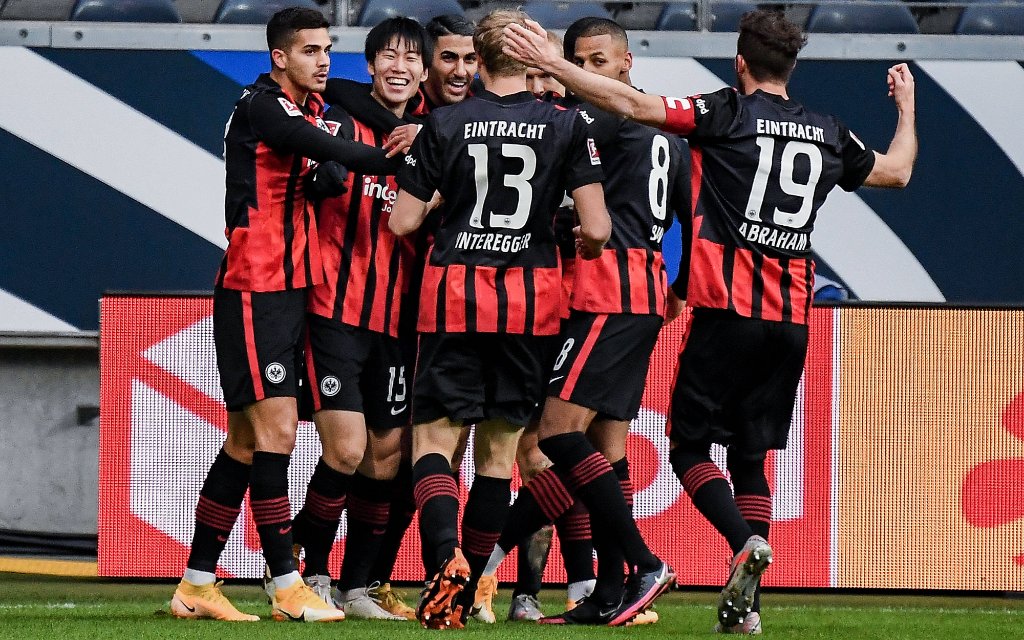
(299, 603)
(198, 601)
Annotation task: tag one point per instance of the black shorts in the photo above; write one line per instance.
(355, 369)
(258, 338)
(602, 361)
(471, 377)
(737, 382)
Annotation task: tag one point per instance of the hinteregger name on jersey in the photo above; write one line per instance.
(790, 130)
(492, 242)
(785, 240)
(504, 128)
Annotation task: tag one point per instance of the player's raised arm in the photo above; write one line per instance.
(530, 46)
(894, 167)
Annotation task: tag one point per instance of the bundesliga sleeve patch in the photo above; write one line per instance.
(595, 157)
(289, 107)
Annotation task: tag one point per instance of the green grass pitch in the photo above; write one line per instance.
(51, 608)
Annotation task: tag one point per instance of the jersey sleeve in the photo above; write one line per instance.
(701, 116)
(282, 127)
(584, 160)
(421, 175)
(858, 159)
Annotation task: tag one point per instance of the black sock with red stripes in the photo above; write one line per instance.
(220, 501)
(487, 509)
(610, 560)
(403, 508)
(576, 540)
(369, 501)
(706, 485)
(268, 487)
(753, 498)
(589, 476)
(437, 499)
(316, 524)
(539, 503)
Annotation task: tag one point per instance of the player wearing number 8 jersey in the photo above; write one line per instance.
(491, 292)
(762, 165)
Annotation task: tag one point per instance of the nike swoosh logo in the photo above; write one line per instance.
(284, 530)
(605, 614)
(397, 410)
(555, 379)
(222, 538)
(190, 609)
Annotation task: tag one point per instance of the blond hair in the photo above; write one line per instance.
(488, 40)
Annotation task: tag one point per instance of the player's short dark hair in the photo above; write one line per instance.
(449, 25)
(769, 44)
(285, 23)
(397, 30)
(589, 27)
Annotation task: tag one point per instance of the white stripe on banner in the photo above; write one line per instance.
(849, 235)
(970, 82)
(115, 144)
(19, 315)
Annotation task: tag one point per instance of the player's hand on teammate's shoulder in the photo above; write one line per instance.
(588, 250)
(901, 86)
(401, 139)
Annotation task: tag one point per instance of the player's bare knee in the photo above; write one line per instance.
(342, 456)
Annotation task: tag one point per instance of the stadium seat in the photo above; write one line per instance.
(256, 11)
(884, 17)
(376, 11)
(682, 16)
(125, 11)
(559, 15)
(992, 20)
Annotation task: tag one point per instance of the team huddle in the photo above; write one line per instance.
(470, 246)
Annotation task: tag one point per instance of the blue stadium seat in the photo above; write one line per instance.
(862, 18)
(559, 15)
(989, 20)
(256, 11)
(682, 16)
(376, 11)
(125, 11)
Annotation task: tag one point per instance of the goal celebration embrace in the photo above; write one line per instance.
(459, 266)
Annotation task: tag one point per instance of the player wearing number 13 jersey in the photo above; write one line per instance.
(501, 161)
(762, 166)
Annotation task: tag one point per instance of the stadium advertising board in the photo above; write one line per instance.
(907, 440)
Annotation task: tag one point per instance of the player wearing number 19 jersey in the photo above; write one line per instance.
(762, 166)
(491, 291)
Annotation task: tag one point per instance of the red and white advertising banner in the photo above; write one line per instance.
(907, 440)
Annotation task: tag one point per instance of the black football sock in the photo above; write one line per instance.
(316, 524)
(403, 508)
(589, 476)
(753, 498)
(220, 501)
(711, 494)
(487, 509)
(539, 502)
(437, 500)
(369, 502)
(268, 495)
(577, 543)
(610, 561)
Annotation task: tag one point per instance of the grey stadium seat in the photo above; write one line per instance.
(992, 20)
(559, 15)
(862, 18)
(376, 11)
(682, 16)
(256, 11)
(125, 11)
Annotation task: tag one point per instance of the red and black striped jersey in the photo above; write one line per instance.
(366, 265)
(270, 144)
(762, 166)
(502, 165)
(645, 187)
